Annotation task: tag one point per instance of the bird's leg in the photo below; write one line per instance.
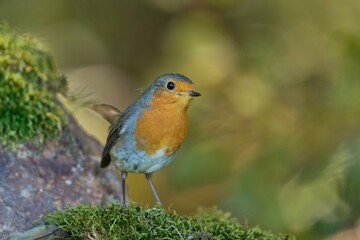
(123, 179)
(148, 177)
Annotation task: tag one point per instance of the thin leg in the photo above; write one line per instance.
(123, 179)
(148, 177)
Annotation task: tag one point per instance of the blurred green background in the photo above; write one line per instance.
(275, 137)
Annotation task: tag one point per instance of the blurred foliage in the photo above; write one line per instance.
(28, 83)
(135, 222)
(274, 137)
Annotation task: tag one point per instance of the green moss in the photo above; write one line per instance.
(29, 81)
(135, 222)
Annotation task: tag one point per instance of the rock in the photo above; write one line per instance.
(42, 232)
(35, 182)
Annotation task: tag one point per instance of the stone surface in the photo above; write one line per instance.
(37, 180)
(42, 232)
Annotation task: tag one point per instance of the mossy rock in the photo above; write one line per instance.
(135, 222)
(29, 81)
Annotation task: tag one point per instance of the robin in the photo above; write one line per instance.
(148, 134)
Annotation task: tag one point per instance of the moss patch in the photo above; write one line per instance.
(29, 81)
(135, 222)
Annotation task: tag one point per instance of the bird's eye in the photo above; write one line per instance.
(170, 85)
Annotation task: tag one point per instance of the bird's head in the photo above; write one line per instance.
(174, 89)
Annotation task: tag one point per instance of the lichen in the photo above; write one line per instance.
(29, 81)
(136, 222)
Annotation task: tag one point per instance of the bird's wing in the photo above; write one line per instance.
(110, 114)
(113, 136)
(115, 129)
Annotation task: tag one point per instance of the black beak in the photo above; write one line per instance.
(194, 94)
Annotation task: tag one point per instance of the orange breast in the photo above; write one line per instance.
(164, 125)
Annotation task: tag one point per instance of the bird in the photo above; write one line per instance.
(147, 135)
